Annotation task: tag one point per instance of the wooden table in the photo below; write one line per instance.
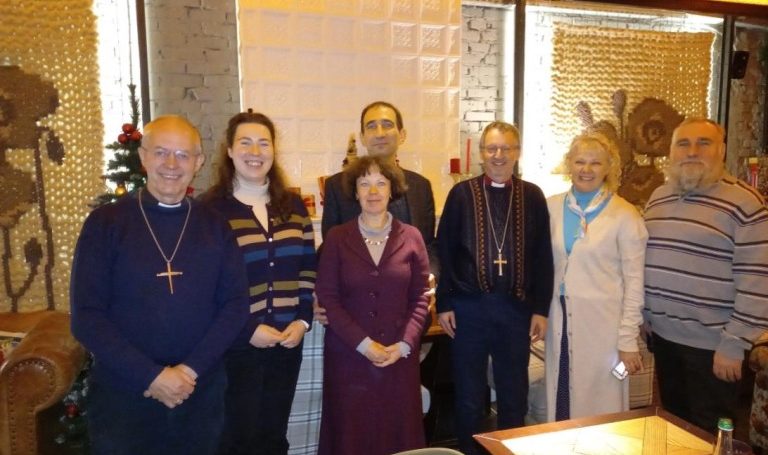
(648, 431)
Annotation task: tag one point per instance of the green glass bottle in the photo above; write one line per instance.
(724, 445)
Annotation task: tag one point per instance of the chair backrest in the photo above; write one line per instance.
(430, 451)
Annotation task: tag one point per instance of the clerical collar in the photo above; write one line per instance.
(489, 182)
(150, 198)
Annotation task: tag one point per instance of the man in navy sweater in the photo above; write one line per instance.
(158, 294)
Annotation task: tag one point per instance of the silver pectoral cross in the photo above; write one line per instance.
(170, 274)
(500, 261)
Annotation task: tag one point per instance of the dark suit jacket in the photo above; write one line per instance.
(339, 208)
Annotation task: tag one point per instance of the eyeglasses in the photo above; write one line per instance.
(504, 149)
(180, 155)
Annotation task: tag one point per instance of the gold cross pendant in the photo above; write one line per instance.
(500, 262)
(170, 274)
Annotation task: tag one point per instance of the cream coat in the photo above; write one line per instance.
(604, 300)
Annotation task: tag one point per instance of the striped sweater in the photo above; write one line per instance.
(280, 261)
(706, 266)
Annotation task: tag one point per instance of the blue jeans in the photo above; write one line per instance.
(490, 324)
(127, 423)
(262, 383)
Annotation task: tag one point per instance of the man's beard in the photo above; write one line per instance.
(690, 175)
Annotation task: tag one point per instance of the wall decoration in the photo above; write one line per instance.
(643, 142)
(27, 99)
(51, 155)
(664, 76)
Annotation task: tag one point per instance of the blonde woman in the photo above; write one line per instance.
(598, 245)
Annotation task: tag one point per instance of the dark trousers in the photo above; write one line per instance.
(127, 423)
(489, 325)
(688, 387)
(262, 383)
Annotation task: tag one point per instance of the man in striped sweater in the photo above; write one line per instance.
(706, 275)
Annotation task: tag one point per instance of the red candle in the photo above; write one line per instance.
(455, 165)
(469, 141)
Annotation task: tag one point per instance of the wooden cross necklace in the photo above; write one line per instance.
(500, 261)
(169, 272)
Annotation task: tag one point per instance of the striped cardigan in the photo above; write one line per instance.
(706, 266)
(280, 262)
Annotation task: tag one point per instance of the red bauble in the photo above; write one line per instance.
(72, 410)
(122, 138)
(128, 128)
(190, 190)
(136, 136)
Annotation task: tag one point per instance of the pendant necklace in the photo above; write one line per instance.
(375, 242)
(169, 272)
(500, 261)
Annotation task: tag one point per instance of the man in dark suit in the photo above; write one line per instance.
(382, 133)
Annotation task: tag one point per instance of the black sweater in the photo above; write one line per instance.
(529, 279)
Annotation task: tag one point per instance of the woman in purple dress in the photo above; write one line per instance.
(372, 280)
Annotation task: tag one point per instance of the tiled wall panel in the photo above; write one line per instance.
(312, 65)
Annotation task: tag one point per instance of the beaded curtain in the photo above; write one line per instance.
(51, 151)
(591, 63)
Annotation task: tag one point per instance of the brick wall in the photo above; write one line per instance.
(194, 70)
(193, 67)
(747, 111)
(482, 96)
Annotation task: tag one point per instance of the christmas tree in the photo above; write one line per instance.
(124, 169)
(72, 432)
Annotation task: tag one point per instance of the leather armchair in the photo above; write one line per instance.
(35, 377)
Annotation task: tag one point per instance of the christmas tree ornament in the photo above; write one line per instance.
(124, 169)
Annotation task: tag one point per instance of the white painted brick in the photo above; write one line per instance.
(203, 68)
(168, 38)
(219, 58)
(492, 59)
(473, 105)
(180, 80)
(168, 92)
(200, 94)
(482, 48)
(471, 36)
(221, 80)
(187, 54)
(470, 81)
(195, 3)
(470, 12)
(487, 74)
(168, 13)
(209, 16)
(477, 24)
(213, 28)
(473, 116)
(471, 59)
(489, 35)
(211, 42)
(482, 93)
(227, 7)
(169, 66)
